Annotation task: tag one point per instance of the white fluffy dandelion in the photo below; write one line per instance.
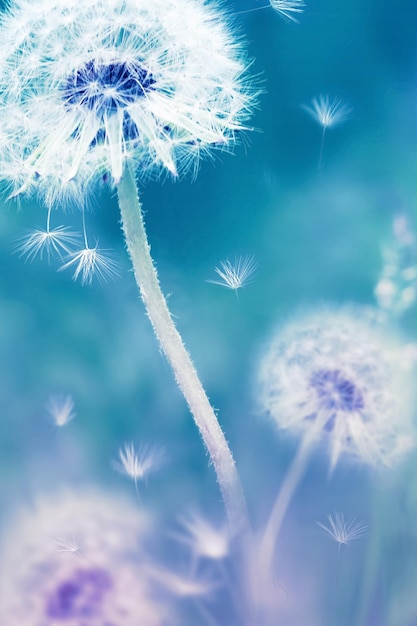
(45, 580)
(87, 87)
(335, 377)
(336, 373)
(104, 90)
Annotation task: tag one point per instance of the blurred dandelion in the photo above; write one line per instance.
(336, 377)
(39, 586)
(328, 113)
(344, 532)
(237, 274)
(101, 92)
(61, 409)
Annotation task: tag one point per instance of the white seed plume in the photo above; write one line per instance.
(204, 539)
(59, 240)
(288, 8)
(344, 532)
(91, 262)
(237, 274)
(328, 112)
(138, 464)
(61, 409)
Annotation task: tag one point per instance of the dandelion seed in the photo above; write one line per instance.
(91, 262)
(287, 8)
(205, 539)
(138, 464)
(344, 532)
(235, 275)
(68, 544)
(61, 409)
(327, 113)
(59, 240)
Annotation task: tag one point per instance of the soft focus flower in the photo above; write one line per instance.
(77, 559)
(336, 372)
(88, 86)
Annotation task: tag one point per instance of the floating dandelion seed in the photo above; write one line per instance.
(204, 539)
(61, 409)
(91, 262)
(237, 274)
(103, 92)
(138, 464)
(286, 8)
(328, 113)
(68, 544)
(344, 532)
(59, 240)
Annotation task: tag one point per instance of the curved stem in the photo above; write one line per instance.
(286, 492)
(176, 353)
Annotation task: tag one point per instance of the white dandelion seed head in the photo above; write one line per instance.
(338, 371)
(86, 87)
(90, 262)
(77, 558)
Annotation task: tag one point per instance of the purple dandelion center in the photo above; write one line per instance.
(80, 596)
(335, 392)
(107, 87)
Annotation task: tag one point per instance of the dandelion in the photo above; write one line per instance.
(58, 240)
(344, 532)
(327, 113)
(235, 275)
(335, 377)
(111, 584)
(137, 464)
(102, 92)
(61, 409)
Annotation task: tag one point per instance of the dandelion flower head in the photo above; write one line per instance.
(88, 86)
(336, 371)
(77, 559)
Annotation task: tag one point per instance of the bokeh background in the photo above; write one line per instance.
(316, 236)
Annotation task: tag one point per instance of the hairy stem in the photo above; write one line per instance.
(176, 353)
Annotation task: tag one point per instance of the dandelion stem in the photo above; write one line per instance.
(176, 353)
